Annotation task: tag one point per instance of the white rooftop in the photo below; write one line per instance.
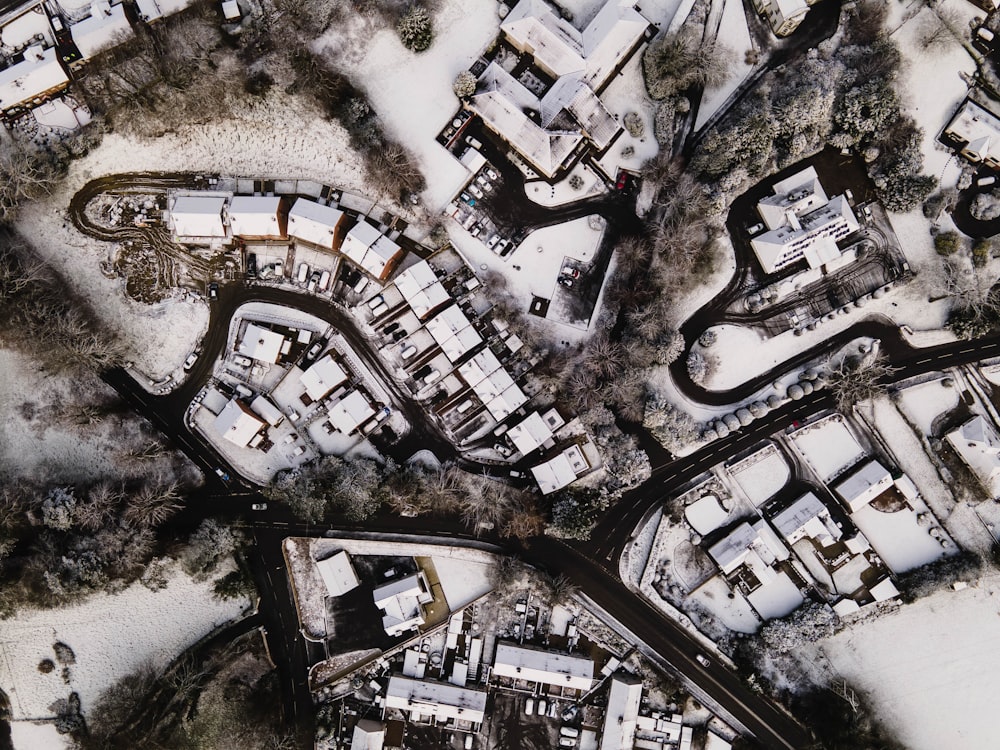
(545, 667)
(37, 74)
(799, 193)
(622, 713)
(733, 550)
(255, 216)
(152, 10)
(105, 27)
(453, 332)
(492, 384)
(978, 445)
(806, 517)
(980, 127)
(561, 470)
(400, 602)
(324, 375)
(313, 222)
(530, 434)
(261, 344)
(236, 424)
(439, 700)
(368, 735)
(369, 248)
(197, 216)
(338, 574)
(263, 408)
(350, 412)
(421, 289)
(864, 485)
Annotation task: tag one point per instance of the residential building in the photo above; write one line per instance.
(976, 442)
(806, 517)
(197, 217)
(368, 248)
(263, 408)
(753, 546)
(436, 701)
(421, 289)
(368, 735)
(31, 81)
(784, 16)
(492, 384)
(258, 217)
(105, 27)
(263, 344)
(154, 10)
(530, 434)
(401, 602)
(352, 411)
(316, 224)
(547, 668)
(802, 223)
(338, 574)
(453, 332)
(322, 377)
(974, 132)
(237, 424)
(863, 485)
(622, 713)
(561, 470)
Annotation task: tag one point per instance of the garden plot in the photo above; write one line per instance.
(828, 446)
(762, 474)
(925, 402)
(730, 607)
(930, 670)
(900, 540)
(110, 636)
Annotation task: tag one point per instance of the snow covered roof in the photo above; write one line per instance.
(884, 589)
(323, 377)
(453, 332)
(151, 10)
(610, 39)
(338, 574)
(978, 445)
(421, 289)
(806, 517)
(231, 10)
(557, 47)
(799, 193)
(622, 713)
(38, 74)
(267, 411)
(400, 601)
(706, 514)
(561, 470)
(492, 384)
(313, 222)
(368, 735)
(370, 249)
(237, 424)
(864, 485)
(350, 412)
(979, 127)
(745, 539)
(257, 216)
(197, 216)
(261, 344)
(545, 667)
(811, 235)
(571, 95)
(530, 434)
(501, 102)
(105, 27)
(435, 699)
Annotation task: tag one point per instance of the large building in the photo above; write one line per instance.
(31, 81)
(437, 702)
(802, 223)
(622, 713)
(547, 668)
(974, 132)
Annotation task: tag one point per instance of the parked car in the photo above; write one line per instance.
(432, 377)
(569, 732)
(491, 174)
(503, 248)
(189, 362)
(252, 265)
(313, 281)
(390, 328)
(475, 191)
(756, 228)
(473, 142)
(279, 268)
(316, 348)
(529, 706)
(400, 335)
(375, 301)
(573, 273)
(407, 352)
(360, 286)
(299, 450)
(242, 361)
(567, 742)
(423, 372)
(258, 506)
(566, 281)
(492, 241)
(213, 291)
(303, 273)
(224, 476)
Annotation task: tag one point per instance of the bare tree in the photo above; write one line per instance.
(856, 381)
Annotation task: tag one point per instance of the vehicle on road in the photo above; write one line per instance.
(222, 474)
(258, 506)
(189, 362)
(758, 227)
(703, 660)
(213, 291)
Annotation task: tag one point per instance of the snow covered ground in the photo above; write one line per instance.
(828, 446)
(627, 93)
(923, 403)
(111, 636)
(28, 735)
(762, 474)
(928, 669)
(734, 34)
(898, 538)
(463, 581)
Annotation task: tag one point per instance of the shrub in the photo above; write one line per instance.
(947, 243)
(465, 84)
(981, 251)
(415, 29)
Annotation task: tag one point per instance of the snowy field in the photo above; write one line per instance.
(929, 669)
(111, 636)
(761, 475)
(28, 735)
(827, 446)
(923, 403)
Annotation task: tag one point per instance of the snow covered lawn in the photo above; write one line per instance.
(776, 598)
(897, 537)
(733, 33)
(930, 670)
(111, 636)
(463, 581)
(762, 474)
(37, 736)
(925, 402)
(827, 446)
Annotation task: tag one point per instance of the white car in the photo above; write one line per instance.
(189, 362)
(475, 191)
(703, 660)
(492, 241)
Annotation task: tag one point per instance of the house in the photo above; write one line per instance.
(197, 217)
(863, 485)
(368, 248)
(435, 701)
(400, 602)
(368, 735)
(316, 224)
(976, 442)
(352, 411)
(421, 289)
(974, 132)
(622, 712)
(530, 434)
(263, 344)
(31, 81)
(338, 574)
(802, 223)
(753, 546)
(492, 384)
(324, 375)
(784, 16)
(807, 517)
(257, 217)
(549, 668)
(231, 11)
(453, 333)
(561, 470)
(263, 408)
(237, 424)
(154, 10)
(105, 27)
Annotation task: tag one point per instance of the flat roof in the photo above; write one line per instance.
(438, 699)
(546, 667)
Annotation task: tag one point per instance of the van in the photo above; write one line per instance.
(360, 286)
(529, 706)
(324, 281)
(303, 273)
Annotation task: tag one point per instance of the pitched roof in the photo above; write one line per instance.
(37, 73)
(324, 375)
(313, 222)
(197, 216)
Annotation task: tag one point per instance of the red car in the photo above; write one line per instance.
(622, 179)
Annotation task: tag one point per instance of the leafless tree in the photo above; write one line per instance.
(152, 504)
(856, 381)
